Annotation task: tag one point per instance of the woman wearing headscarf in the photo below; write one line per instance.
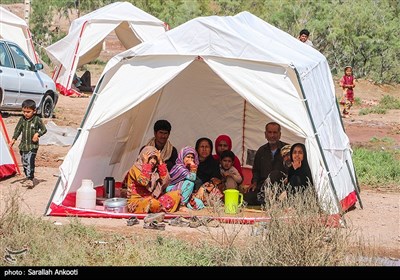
(222, 143)
(299, 174)
(208, 167)
(146, 181)
(183, 174)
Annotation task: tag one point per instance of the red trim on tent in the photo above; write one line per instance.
(76, 51)
(3, 127)
(349, 201)
(67, 209)
(33, 48)
(7, 170)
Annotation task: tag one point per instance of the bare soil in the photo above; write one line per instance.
(378, 222)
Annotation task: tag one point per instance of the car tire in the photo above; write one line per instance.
(47, 107)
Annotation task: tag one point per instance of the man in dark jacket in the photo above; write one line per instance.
(268, 162)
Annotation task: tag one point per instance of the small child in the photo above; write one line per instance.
(347, 82)
(32, 127)
(230, 175)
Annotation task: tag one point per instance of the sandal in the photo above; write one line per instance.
(179, 222)
(154, 217)
(132, 221)
(10, 259)
(195, 222)
(210, 222)
(154, 225)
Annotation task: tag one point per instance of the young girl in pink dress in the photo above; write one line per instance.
(347, 82)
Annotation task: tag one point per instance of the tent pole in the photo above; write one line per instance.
(243, 129)
(94, 96)
(319, 145)
(356, 185)
(52, 196)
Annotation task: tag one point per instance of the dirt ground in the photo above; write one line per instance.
(378, 222)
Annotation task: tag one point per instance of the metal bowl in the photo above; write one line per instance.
(116, 204)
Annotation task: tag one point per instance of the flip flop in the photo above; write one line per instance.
(132, 221)
(195, 222)
(156, 217)
(179, 222)
(154, 225)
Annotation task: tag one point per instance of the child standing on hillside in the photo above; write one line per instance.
(347, 82)
(32, 127)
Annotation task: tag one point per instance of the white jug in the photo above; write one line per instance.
(86, 195)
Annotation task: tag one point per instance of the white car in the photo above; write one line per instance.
(21, 79)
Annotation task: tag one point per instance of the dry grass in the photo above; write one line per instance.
(298, 239)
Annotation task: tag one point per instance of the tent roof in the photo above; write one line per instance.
(86, 34)
(15, 29)
(116, 12)
(243, 36)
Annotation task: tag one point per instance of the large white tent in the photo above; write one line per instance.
(8, 162)
(15, 29)
(86, 35)
(210, 76)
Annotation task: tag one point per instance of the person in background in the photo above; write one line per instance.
(304, 37)
(162, 130)
(208, 167)
(183, 175)
(299, 174)
(230, 175)
(83, 83)
(147, 180)
(347, 82)
(268, 162)
(287, 162)
(32, 128)
(223, 143)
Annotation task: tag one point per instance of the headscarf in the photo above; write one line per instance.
(220, 138)
(179, 171)
(155, 183)
(201, 140)
(209, 167)
(285, 150)
(304, 169)
(228, 140)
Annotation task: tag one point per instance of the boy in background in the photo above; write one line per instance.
(304, 37)
(32, 127)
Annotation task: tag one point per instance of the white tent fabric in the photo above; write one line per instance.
(211, 76)
(15, 29)
(8, 165)
(86, 35)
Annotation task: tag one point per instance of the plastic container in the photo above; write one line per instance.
(86, 195)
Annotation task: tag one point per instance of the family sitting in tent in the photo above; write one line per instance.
(197, 179)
